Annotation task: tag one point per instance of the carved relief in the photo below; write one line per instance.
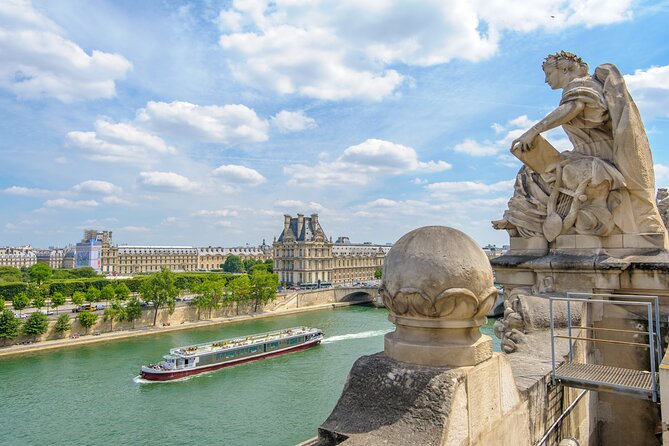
(453, 303)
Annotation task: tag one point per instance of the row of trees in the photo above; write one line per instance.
(159, 291)
(234, 264)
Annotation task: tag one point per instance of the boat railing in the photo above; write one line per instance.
(225, 344)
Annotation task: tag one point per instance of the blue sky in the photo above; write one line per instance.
(202, 123)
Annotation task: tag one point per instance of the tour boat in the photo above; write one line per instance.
(192, 359)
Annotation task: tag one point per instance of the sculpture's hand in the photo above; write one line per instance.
(524, 142)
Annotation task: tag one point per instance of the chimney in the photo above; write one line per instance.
(300, 224)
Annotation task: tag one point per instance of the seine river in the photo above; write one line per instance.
(88, 395)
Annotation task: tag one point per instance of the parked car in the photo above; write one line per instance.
(22, 315)
(84, 307)
(100, 307)
(47, 312)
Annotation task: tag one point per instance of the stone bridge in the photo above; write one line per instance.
(307, 298)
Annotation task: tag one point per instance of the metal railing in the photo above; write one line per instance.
(605, 377)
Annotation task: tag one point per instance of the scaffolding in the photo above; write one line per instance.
(602, 377)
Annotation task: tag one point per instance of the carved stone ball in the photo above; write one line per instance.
(438, 272)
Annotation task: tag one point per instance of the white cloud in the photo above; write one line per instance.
(134, 229)
(38, 62)
(292, 121)
(383, 202)
(64, 203)
(661, 174)
(226, 124)
(298, 205)
(216, 213)
(119, 142)
(234, 174)
(341, 49)
(96, 186)
(25, 191)
(112, 199)
(469, 187)
(360, 163)
(473, 148)
(166, 181)
(650, 90)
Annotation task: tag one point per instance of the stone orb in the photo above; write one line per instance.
(438, 272)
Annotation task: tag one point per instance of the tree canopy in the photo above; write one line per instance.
(10, 325)
(209, 295)
(92, 294)
(63, 323)
(107, 292)
(159, 290)
(233, 264)
(263, 287)
(20, 301)
(122, 291)
(36, 324)
(133, 311)
(87, 319)
(39, 272)
(57, 299)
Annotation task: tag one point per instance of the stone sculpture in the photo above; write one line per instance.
(606, 184)
(438, 288)
(663, 205)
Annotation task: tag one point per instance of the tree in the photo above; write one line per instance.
(133, 311)
(270, 265)
(87, 319)
(10, 325)
(36, 324)
(38, 301)
(233, 264)
(10, 274)
(39, 272)
(241, 289)
(78, 298)
(63, 324)
(20, 301)
(263, 287)
(92, 294)
(31, 291)
(378, 273)
(159, 290)
(113, 312)
(57, 300)
(2, 303)
(122, 291)
(209, 295)
(108, 292)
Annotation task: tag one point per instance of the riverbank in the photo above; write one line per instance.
(19, 349)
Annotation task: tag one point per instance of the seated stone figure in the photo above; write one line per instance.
(606, 184)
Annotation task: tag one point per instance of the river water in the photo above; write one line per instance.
(89, 395)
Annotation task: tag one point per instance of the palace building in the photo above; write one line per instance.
(304, 256)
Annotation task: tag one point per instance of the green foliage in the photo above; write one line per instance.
(92, 294)
(68, 286)
(107, 293)
(263, 287)
(36, 324)
(210, 295)
(2, 303)
(378, 273)
(270, 265)
(122, 291)
(114, 312)
(10, 274)
(233, 264)
(10, 325)
(63, 323)
(10, 289)
(133, 311)
(39, 272)
(87, 319)
(78, 298)
(20, 301)
(38, 301)
(57, 299)
(159, 289)
(32, 290)
(240, 289)
(76, 273)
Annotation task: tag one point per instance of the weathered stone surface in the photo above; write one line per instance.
(390, 402)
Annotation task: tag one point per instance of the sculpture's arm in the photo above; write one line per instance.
(561, 115)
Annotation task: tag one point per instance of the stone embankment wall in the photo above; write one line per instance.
(188, 313)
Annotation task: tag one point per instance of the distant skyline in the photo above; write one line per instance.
(203, 123)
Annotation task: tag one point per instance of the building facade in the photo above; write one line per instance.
(151, 259)
(212, 258)
(304, 256)
(17, 257)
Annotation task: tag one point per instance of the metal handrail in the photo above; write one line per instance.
(654, 340)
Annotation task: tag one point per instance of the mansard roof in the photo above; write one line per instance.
(310, 231)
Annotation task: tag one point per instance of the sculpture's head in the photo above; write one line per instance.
(563, 67)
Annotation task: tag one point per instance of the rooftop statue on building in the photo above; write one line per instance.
(606, 184)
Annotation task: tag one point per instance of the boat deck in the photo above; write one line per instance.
(227, 344)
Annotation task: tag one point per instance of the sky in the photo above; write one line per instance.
(202, 123)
